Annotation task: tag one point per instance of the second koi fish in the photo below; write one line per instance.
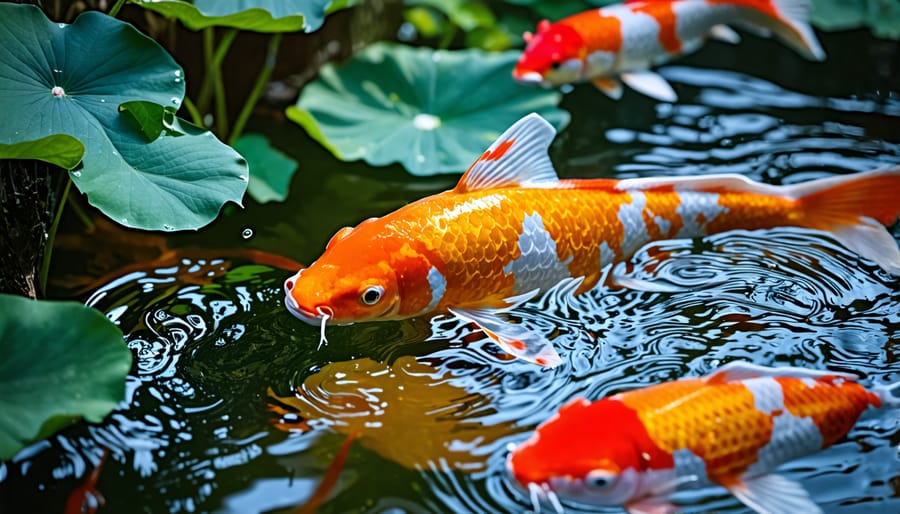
(511, 229)
(619, 43)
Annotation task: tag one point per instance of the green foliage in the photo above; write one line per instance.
(882, 16)
(72, 79)
(255, 15)
(61, 361)
(62, 150)
(391, 103)
(270, 170)
(443, 19)
(148, 118)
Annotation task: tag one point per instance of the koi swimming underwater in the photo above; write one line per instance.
(511, 230)
(732, 428)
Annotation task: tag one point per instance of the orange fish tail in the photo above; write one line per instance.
(787, 19)
(854, 209)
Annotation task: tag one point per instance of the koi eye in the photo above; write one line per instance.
(600, 480)
(555, 65)
(372, 295)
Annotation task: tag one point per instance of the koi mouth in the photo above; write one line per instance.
(539, 493)
(318, 317)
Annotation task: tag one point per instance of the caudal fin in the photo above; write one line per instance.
(788, 20)
(854, 209)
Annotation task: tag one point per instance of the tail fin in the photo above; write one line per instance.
(788, 20)
(854, 209)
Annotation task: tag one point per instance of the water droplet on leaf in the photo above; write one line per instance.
(244, 178)
(76, 173)
(58, 91)
(176, 101)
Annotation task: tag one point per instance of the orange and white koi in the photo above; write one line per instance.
(619, 43)
(732, 428)
(511, 229)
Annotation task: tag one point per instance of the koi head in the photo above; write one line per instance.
(583, 454)
(352, 281)
(553, 56)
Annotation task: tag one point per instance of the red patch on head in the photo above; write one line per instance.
(551, 45)
(584, 436)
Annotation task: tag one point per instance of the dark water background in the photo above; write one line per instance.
(202, 431)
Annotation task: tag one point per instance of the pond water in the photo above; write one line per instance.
(231, 407)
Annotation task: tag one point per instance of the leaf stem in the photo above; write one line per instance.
(196, 117)
(115, 8)
(213, 56)
(51, 237)
(261, 81)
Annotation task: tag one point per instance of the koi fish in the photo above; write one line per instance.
(511, 229)
(732, 428)
(619, 43)
(86, 499)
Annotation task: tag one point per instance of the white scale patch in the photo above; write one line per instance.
(475, 204)
(792, 436)
(640, 40)
(607, 255)
(438, 286)
(631, 216)
(696, 211)
(538, 266)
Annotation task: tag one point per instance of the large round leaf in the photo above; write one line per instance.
(71, 79)
(255, 15)
(433, 111)
(60, 361)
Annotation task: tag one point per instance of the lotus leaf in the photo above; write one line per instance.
(433, 111)
(407, 412)
(254, 15)
(71, 79)
(270, 170)
(883, 17)
(61, 361)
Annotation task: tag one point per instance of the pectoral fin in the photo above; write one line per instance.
(514, 339)
(650, 84)
(724, 33)
(610, 86)
(773, 494)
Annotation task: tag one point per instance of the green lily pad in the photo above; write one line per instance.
(270, 170)
(433, 111)
(255, 15)
(61, 361)
(60, 149)
(71, 79)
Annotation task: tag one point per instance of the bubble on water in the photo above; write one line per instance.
(247, 233)
(58, 91)
(427, 122)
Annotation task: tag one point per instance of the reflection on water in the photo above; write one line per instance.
(230, 407)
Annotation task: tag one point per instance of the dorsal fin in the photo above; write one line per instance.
(739, 370)
(517, 158)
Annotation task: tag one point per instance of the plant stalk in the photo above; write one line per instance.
(115, 8)
(51, 237)
(196, 117)
(213, 57)
(261, 81)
